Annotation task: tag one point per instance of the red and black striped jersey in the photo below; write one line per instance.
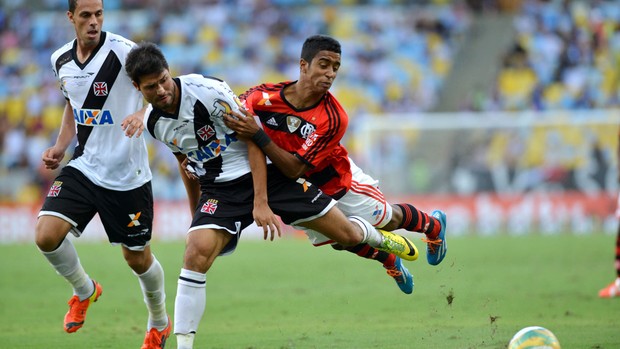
(312, 134)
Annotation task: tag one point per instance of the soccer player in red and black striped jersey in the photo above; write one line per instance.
(613, 289)
(108, 175)
(302, 126)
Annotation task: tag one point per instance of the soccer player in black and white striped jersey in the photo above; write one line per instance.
(187, 114)
(109, 173)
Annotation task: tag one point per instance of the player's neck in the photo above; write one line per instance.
(300, 97)
(84, 51)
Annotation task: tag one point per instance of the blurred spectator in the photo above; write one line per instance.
(396, 59)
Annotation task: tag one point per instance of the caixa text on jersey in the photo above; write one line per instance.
(93, 117)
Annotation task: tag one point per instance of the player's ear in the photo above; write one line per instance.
(135, 85)
(70, 16)
(303, 66)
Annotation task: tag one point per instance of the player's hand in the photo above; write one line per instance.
(265, 218)
(243, 123)
(133, 124)
(52, 157)
(189, 171)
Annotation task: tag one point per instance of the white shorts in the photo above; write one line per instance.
(364, 199)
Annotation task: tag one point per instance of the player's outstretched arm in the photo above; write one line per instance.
(245, 125)
(133, 124)
(263, 216)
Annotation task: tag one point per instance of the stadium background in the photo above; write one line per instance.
(503, 113)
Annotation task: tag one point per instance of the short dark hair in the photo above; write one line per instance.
(73, 5)
(316, 43)
(145, 59)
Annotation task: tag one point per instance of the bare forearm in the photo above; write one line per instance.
(258, 167)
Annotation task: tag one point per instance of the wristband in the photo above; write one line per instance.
(260, 138)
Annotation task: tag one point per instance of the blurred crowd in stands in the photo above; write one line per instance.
(566, 56)
(396, 56)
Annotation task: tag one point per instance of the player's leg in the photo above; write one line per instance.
(393, 265)
(613, 289)
(299, 203)
(369, 202)
(215, 230)
(67, 209)
(201, 248)
(127, 217)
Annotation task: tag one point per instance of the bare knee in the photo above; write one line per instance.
(352, 235)
(138, 261)
(49, 232)
(202, 247)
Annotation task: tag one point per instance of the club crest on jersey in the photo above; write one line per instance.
(221, 108)
(306, 130)
(292, 122)
(54, 189)
(93, 117)
(205, 132)
(100, 89)
(209, 207)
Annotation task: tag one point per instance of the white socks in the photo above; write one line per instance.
(152, 284)
(189, 306)
(371, 235)
(65, 261)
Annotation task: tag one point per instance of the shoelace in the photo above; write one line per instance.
(77, 309)
(393, 272)
(153, 339)
(432, 243)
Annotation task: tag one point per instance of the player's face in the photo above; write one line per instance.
(322, 71)
(87, 20)
(160, 90)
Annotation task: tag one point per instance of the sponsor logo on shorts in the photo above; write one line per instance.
(54, 189)
(141, 233)
(377, 212)
(305, 184)
(317, 196)
(134, 219)
(209, 207)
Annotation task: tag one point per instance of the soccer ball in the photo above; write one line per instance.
(534, 337)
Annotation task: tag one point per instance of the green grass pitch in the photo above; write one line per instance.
(288, 294)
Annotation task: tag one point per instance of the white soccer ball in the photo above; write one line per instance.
(534, 337)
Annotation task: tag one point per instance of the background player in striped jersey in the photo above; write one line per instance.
(109, 173)
(306, 124)
(186, 113)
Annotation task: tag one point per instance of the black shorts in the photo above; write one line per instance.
(229, 205)
(127, 216)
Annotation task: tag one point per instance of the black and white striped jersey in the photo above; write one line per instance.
(198, 130)
(101, 96)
